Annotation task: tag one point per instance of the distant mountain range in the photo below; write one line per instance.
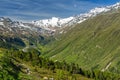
(48, 24)
(55, 24)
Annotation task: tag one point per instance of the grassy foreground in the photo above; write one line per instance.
(14, 68)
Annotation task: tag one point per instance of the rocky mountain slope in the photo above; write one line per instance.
(18, 35)
(8, 26)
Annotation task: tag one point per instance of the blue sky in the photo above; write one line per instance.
(28, 10)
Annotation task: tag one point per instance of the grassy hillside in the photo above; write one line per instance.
(93, 44)
(15, 67)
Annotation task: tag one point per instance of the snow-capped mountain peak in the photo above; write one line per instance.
(116, 6)
(61, 22)
(98, 10)
(53, 22)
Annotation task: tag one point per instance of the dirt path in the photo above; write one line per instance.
(107, 66)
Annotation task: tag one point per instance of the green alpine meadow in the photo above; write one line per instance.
(93, 44)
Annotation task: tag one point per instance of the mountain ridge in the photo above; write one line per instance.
(56, 24)
(61, 22)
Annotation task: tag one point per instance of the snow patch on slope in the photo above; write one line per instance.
(53, 22)
(1, 23)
